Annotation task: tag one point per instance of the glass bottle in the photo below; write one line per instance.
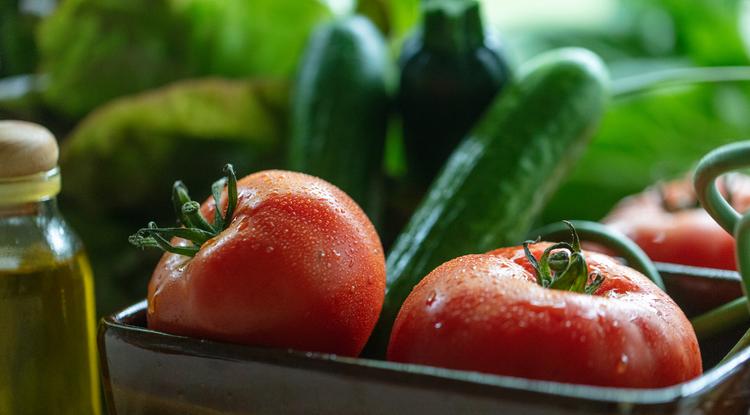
(48, 360)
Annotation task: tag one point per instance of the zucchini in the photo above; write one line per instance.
(497, 181)
(340, 108)
(451, 71)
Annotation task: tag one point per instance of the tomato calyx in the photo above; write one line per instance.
(562, 266)
(195, 228)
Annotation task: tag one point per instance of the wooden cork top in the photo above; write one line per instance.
(25, 149)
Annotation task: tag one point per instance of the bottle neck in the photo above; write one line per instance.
(29, 192)
(452, 27)
(34, 234)
(40, 208)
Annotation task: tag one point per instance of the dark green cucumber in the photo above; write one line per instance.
(500, 177)
(340, 108)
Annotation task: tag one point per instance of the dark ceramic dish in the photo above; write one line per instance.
(148, 372)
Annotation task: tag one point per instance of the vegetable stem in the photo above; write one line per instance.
(712, 166)
(727, 316)
(563, 266)
(195, 228)
(640, 84)
(596, 232)
(743, 343)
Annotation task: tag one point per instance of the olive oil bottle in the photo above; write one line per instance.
(48, 360)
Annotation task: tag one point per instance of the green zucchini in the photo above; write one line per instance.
(340, 108)
(500, 177)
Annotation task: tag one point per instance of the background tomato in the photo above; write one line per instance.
(299, 266)
(487, 313)
(669, 225)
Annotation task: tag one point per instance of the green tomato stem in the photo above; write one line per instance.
(563, 266)
(192, 210)
(180, 196)
(596, 232)
(195, 228)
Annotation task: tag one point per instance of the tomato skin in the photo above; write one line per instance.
(300, 266)
(680, 235)
(486, 313)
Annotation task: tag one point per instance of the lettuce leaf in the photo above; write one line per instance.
(123, 158)
(97, 50)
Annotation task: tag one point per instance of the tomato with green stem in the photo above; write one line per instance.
(547, 311)
(288, 260)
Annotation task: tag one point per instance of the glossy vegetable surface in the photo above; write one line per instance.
(296, 264)
(667, 222)
(499, 178)
(489, 313)
(340, 109)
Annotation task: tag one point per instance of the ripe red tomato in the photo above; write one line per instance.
(669, 225)
(299, 266)
(487, 313)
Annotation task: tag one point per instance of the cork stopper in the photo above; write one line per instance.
(26, 149)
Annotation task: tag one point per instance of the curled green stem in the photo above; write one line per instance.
(562, 266)
(195, 227)
(723, 160)
(601, 234)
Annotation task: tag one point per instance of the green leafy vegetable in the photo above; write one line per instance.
(96, 50)
(250, 37)
(17, 47)
(128, 151)
(709, 31)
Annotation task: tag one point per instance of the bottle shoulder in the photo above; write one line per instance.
(36, 238)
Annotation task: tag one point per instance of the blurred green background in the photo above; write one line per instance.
(143, 92)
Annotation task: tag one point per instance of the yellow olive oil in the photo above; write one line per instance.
(48, 360)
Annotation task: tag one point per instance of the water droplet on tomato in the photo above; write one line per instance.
(269, 249)
(659, 237)
(431, 299)
(438, 325)
(622, 365)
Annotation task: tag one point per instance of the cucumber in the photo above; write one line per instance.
(499, 178)
(340, 108)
